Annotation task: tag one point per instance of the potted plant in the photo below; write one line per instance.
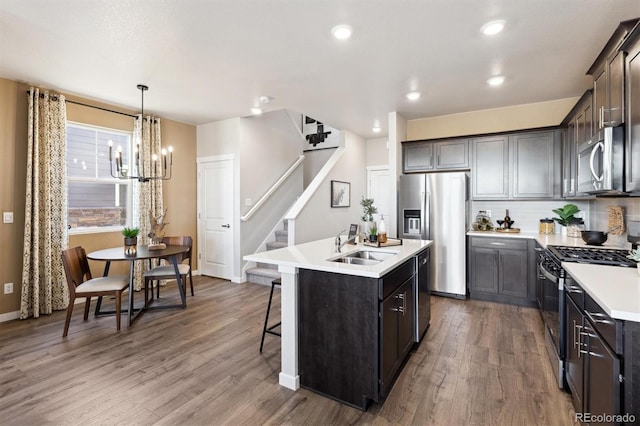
(570, 223)
(130, 241)
(634, 254)
(368, 210)
(373, 233)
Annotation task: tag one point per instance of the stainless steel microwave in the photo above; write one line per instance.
(601, 163)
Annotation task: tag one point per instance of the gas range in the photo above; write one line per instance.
(593, 255)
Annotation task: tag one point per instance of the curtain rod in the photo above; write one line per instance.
(54, 97)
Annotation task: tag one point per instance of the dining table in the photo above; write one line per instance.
(143, 252)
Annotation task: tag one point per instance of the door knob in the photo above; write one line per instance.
(226, 226)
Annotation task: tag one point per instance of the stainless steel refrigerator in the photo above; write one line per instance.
(434, 206)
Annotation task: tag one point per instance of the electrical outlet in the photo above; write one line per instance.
(488, 213)
(248, 202)
(7, 217)
(8, 288)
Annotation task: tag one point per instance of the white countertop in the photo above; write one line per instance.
(318, 255)
(543, 239)
(615, 289)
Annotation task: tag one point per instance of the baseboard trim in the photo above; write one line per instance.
(9, 316)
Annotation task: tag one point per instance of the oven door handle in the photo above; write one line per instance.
(548, 275)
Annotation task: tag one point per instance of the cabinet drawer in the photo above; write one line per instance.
(499, 243)
(608, 328)
(396, 278)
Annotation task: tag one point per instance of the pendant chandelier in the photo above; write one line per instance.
(122, 170)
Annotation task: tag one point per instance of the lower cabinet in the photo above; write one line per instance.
(396, 332)
(354, 332)
(594, 346)
(502, 270)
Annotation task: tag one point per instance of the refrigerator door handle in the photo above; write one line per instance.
(426, 205)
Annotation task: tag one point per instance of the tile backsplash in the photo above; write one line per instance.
(527, 214)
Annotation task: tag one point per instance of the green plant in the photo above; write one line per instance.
(373, 231)
(566, 214)
(368, 209)
(634, 255)
(130, 232)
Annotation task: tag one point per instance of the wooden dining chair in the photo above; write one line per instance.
(165, 270)
(82, 284)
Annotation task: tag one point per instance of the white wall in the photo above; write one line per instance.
(318, 220)
(218, 138)
(313, 161)
(377, 152)
(397, 134)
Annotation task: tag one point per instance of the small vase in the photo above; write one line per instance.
(638, 267)
(563, 231)
(130, 246)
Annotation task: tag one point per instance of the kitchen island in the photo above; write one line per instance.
(320, 257)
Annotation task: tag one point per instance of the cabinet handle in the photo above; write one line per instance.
(601, 118)
(574, 289)
(497, 244)
(594, 315)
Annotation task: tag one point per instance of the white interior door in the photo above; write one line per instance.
(378, 189)
(215, 201)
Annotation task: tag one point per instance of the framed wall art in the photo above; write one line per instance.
(340, 194)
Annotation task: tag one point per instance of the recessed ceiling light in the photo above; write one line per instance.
(342, 32)
(496, 80)
(256, 111)
(493, 27)
(413, 96)
(265, 99)
(376, 128)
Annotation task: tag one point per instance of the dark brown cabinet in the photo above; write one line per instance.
(632, 111)
(594, 346)
(396, 328)
(578, 130)
(441, 155)
(608, 80)
(502, 270)
(354, 332)
(516, 166)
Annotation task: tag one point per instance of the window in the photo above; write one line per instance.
(96, 201)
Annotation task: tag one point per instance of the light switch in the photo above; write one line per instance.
(248, 202)
(7, 217)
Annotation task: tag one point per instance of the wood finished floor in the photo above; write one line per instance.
(481, 363)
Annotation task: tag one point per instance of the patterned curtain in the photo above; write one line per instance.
(147, 196)
(44, 287)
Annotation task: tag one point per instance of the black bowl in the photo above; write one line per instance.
(594, 238)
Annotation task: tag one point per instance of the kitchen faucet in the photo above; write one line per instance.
(340, 244)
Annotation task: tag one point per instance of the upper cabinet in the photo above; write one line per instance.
(608, 80)
(578, 130)
(441, 155)
(517, 166)
(632, 111)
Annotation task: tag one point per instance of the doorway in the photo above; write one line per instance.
(215, 216)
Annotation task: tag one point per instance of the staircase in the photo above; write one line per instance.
(264, 273)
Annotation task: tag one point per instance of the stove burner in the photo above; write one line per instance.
(595, 255)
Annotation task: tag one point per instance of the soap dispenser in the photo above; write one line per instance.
(382, 231)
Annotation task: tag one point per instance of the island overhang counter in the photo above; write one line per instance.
(320, 255)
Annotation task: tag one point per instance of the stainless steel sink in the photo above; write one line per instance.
(356, 261)
(371, 255)
(364, 257)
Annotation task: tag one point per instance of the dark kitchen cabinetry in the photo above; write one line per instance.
(535, 165)
(632, 111)
(523, 165)
(442, 155)
(608, 80)
(354, 332)
(502, 270)
(578, 130)
(490, 167)
(594, 346)
(396, 329)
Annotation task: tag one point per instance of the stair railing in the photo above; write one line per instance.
(273, 189)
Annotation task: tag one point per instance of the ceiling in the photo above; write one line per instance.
(210, 60)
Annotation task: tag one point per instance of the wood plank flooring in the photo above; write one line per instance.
(481, 363)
